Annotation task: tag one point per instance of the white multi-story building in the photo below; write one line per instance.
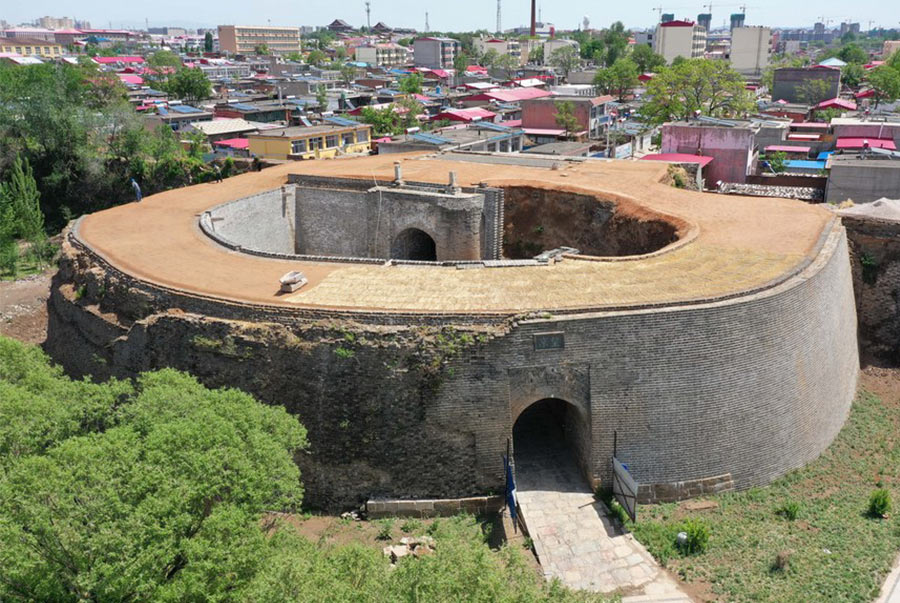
(751, 48)
(383, 55)
(511, 47)
(679, 39)
(436, 53)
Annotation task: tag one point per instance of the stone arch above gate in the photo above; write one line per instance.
(527, 385)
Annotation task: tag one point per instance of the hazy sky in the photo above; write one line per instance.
(455, 15)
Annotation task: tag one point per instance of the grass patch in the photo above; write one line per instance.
(838, 552)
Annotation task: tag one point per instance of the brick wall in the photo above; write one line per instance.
(748, 387)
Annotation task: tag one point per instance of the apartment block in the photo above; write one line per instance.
(751, 48)
(244, 39)
(679, 39)
(383, 55)
(435, 53)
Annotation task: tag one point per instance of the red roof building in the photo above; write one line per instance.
(114, 60)
(837, 103)
(512, 95)
(467, 115)
(874, 143)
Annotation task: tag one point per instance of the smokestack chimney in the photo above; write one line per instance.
(533, 18)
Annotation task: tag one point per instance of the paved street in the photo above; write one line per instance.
(573, 536)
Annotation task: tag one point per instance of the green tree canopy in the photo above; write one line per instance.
(565, 117)
(852, 53)
(619, 79)
(20, 203)
(852, 74)
(208, 42)
(412, 83)
(316, 57)
(710, 87)
(189, 84)
(885, 81)
(144, 492)
(646, 60)
(565, 59)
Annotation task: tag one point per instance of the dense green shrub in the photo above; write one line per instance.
(880, 503)
(789, 510)
(697, 537)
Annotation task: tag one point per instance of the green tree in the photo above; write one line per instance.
(412, 83)
(208, 42)
(852, 53)
(593, 48)
(316, 57)
(261, 49)
(852, 74)
(565, 59)
(616, 41)
(711, 87)
(490, 58)
(509, 64)
(190, 84)
(348, 74)
(565, 117)
(776, 161)
(322, 97)
(619, 79)
(536, 54)
(813, 92)
(22, 200)
(885, 81)
(146, 492)
(646, 60)
(460, 62)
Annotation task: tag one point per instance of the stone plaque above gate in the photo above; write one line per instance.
(549, 341)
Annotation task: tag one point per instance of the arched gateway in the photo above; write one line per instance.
(550, 434)
(414, 244)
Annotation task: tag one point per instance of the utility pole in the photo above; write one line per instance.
(427, 27)
(369, 16)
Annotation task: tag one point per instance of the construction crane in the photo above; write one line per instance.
(659, 11)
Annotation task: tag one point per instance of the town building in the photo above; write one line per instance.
(731, 144)
(793, 84)
(340, 137)
(340, 26)
(751, 48)
(30, 33)
(30, 47)
(889, 47)
(223, 129)
(501, 46)
(679, 39)
(478, 136)
(435, 53)
(56, 22)
(386, 54)
(177, 117)
(590, 112)
(244, 39)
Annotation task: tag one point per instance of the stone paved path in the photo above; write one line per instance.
(890, 591)
(574, 538)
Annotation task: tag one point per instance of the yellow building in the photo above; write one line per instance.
(244, 39)
(31, 47)
(311, 142)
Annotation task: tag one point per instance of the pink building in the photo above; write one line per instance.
(732, 147)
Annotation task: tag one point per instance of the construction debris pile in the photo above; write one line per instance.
(417, 547)
(802, 193)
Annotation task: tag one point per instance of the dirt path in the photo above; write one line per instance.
(23, 307)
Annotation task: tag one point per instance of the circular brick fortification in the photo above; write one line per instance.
(704, 386)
